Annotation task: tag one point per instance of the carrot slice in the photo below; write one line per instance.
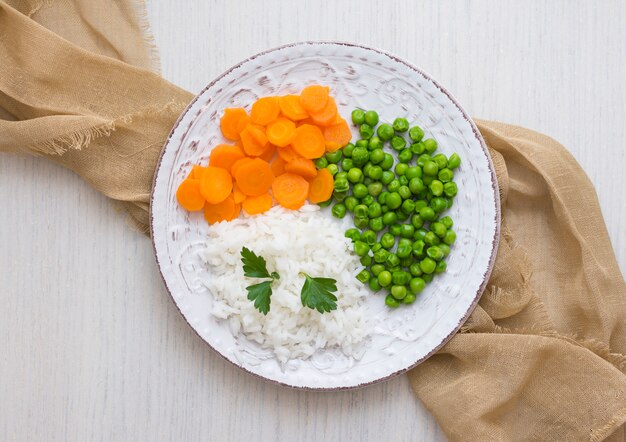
(305, 121)
(337, 135)
(290, 190)
(233, 121)
(291, 108)
(309, 141)
(189, 196)
(257, 204)
(226, 210)
(197, 172)
(254, 178)
(321, 187)
(302, 166)
(281, 132)
(238, 195)
(278, 165)
(225, 155)
(313, 98)
(239, 163)
(327, 115)
(265, 110)
(268, 153)
(254, 140)
(287, 153)
(216, 184)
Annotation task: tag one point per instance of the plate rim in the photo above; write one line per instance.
(494, 184)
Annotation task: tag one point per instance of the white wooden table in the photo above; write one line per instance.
(91, 347)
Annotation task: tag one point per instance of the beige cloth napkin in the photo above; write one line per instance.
(542, 358)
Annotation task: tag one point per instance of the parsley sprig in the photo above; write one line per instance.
(255, 266)
(317, 293)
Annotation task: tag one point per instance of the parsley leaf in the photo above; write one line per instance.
(260, 293)
(255, 266)
(317, 293)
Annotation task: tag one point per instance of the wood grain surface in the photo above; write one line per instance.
(91, 346)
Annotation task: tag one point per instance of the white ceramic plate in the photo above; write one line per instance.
(358, 77)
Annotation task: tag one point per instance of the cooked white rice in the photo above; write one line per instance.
(291, 242)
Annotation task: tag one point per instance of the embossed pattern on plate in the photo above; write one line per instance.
(358, 77)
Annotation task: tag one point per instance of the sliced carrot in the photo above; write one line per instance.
(265, 110)
(268, 153)
(226, 210)
(287, 153)
(233, 121)
(313, 98)
(239, 163)
(309, 141)
(281, 132)
(216, 184)
(257, 204)
(290, 190)
(238, 195)
(197, 172)
(254, 178)
(254, 140)
(291, 108)
(305, 121)
(303, 167)
(327, 115)
(278, 165)
(321, 187)
(337, 135)
(225, 155)
(189, 196)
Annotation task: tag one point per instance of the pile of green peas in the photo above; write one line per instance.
(400, 232)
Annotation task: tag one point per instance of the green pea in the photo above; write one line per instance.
(405, 156)
(449, 200)
(374, 285)
(360, 156)
(347, 164)
(376, 224)
(398, 291)
(393, 186)
(420, 234)
(377, 156)
(450, 189)
(392, 260)
(376, 247)
(445, 248)
(408, 206)
(361, 221)
(454, 161)
(427, 213)
(366, 131)
(398, 143)
(416, 285)
(341, 185)
(416, 221)
(353, 234)
(334, 157)
(321, 162)
(404, 249)
(428, 277)
(360, 210)
(384, 277)
(371, 118)
(383, 197)
(363, 276)
(415, 269)
(423, 159)
(431, 239)
(356, 175)
(375, 210)
(376, 173)
(418, 248)
(333, 169)
(350, 202)
(441, 160)
(361, 248)
(428, 179)
(416, 185)
(400, 277)
(374, 189)
(367, 200)
(359, 190)
(441, 267)
(390, 218)
(387, 177)
(413, 172)
(401, 169)
(445, 175)
(438, 204)
(385, 131)
(404, 181)
(376, 269)
(366, 260)
(436, 187)
(347, 150)
(401, 215)
(407, 231)
(393, 200)
(392, 302)
(326, 203)
(430, 145)
(339, 211)
(430, 168)
(435, 253)
(387, 240)
(447, 221)
(428, 265)
(395, 229)
(341, 176)
(416, 133)
(450, 237)
(419, 204)
(362, 143)
(375, 143)
(404, 192)
(358, 116)
(368, 237)
(387, 162)
(417, 148)
(409, 299)
(438, 229)
(400, 125)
